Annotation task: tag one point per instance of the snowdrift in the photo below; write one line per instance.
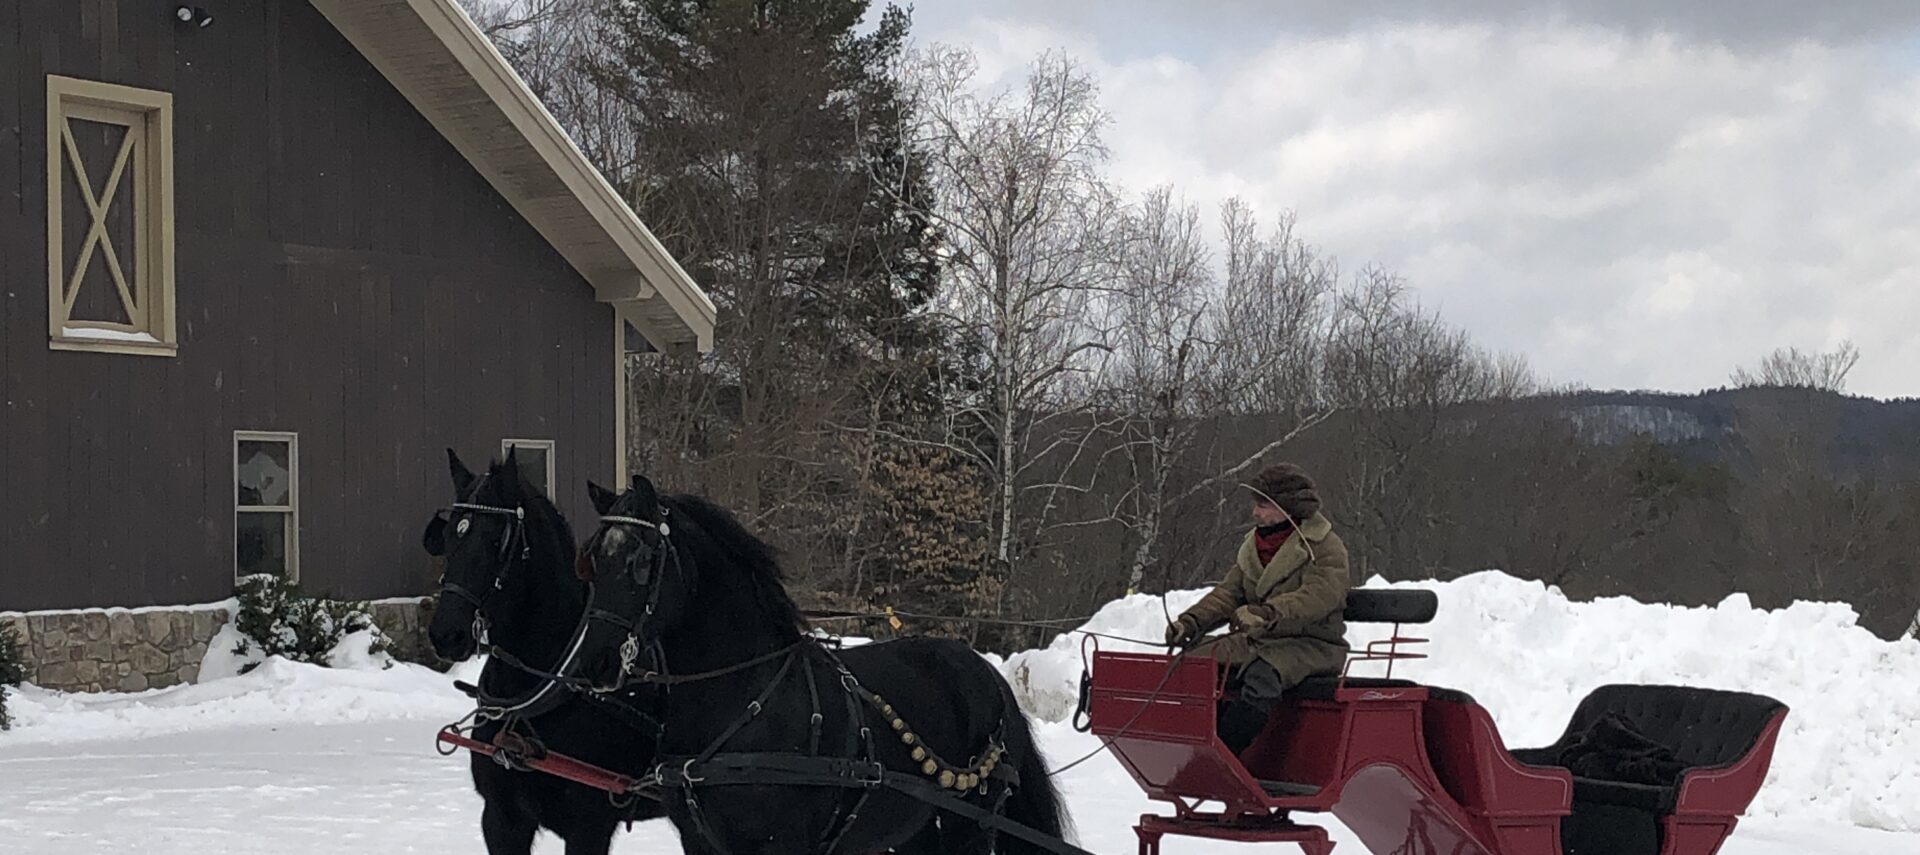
(1529, 655)
(278, 692)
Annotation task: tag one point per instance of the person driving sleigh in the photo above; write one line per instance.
(1284, 598)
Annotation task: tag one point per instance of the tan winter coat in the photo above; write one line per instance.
(1304, 592)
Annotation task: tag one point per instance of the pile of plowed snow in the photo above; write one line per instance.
(1850, 751)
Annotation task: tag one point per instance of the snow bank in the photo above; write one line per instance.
(1529, 655)
(278, 692)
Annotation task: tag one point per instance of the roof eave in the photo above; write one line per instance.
(623, 261)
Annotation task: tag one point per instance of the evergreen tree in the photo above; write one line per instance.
(771, 157)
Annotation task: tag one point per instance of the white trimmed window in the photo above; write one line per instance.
(266, 504)
(109, 218)
(535, 457)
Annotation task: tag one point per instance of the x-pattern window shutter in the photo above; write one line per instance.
(109, 217)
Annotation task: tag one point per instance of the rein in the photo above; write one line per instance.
(660, 679)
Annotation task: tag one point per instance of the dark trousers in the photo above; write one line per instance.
(1258, 689)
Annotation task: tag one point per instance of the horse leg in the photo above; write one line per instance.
(507, 831)
(590, 837)
(584, 843)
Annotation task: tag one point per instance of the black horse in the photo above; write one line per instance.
(510, 573)
(754, 703)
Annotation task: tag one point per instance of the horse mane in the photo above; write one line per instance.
(750, 553)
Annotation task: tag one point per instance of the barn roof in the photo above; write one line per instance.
(440, 61)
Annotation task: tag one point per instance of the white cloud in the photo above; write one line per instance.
(1628, 206)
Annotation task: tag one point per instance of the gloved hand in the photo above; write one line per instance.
(1182, 632)
(1251, 619)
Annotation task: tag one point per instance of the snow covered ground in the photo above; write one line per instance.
(294, 759)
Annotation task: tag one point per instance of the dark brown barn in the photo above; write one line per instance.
(259, 274)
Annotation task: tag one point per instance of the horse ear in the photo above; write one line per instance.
(645, 496)
(603, 499)
(462, 476)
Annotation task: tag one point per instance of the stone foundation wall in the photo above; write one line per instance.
(115, 650)
(405, 624)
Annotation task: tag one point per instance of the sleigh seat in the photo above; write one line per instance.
(1723, 742)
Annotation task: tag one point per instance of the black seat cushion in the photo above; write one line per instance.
(1703, 728)
(1390, 605)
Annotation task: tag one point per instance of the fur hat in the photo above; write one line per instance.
(1289, 487)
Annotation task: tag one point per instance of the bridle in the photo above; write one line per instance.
(517, 532)
(650, 574)
(560, 675)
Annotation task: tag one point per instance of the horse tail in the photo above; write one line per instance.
(1034, 802)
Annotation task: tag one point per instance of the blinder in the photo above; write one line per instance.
(434, 539)
(647, 565)
(643, 562)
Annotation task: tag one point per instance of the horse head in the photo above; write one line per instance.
(681, 565)
(507, 550)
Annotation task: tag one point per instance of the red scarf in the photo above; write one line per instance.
(1268, 539)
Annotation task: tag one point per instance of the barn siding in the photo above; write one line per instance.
(341, 272)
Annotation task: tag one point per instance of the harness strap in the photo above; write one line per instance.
(753, 709)
(605, 616)
(630, 715)
(798, 770)
(495, 707)
(813, 724)
(858, 734)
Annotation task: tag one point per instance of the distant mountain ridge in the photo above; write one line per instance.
(1855, 437)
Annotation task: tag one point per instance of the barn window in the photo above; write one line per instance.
(109, 218)
(535, 457)
(266, 504)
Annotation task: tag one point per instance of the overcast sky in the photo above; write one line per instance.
(1632, 193)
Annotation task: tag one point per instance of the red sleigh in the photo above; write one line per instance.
(1422, 770)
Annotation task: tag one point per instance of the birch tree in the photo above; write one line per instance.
(1024, 211)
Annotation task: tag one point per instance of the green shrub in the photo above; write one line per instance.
(13, 668)
(276, 619)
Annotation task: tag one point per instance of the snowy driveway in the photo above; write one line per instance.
(377, 786)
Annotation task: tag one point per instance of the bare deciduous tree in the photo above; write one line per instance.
(1024, 210)
(1397, 370)
(1788, 366)
(1191, 350)
(1165, 339)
